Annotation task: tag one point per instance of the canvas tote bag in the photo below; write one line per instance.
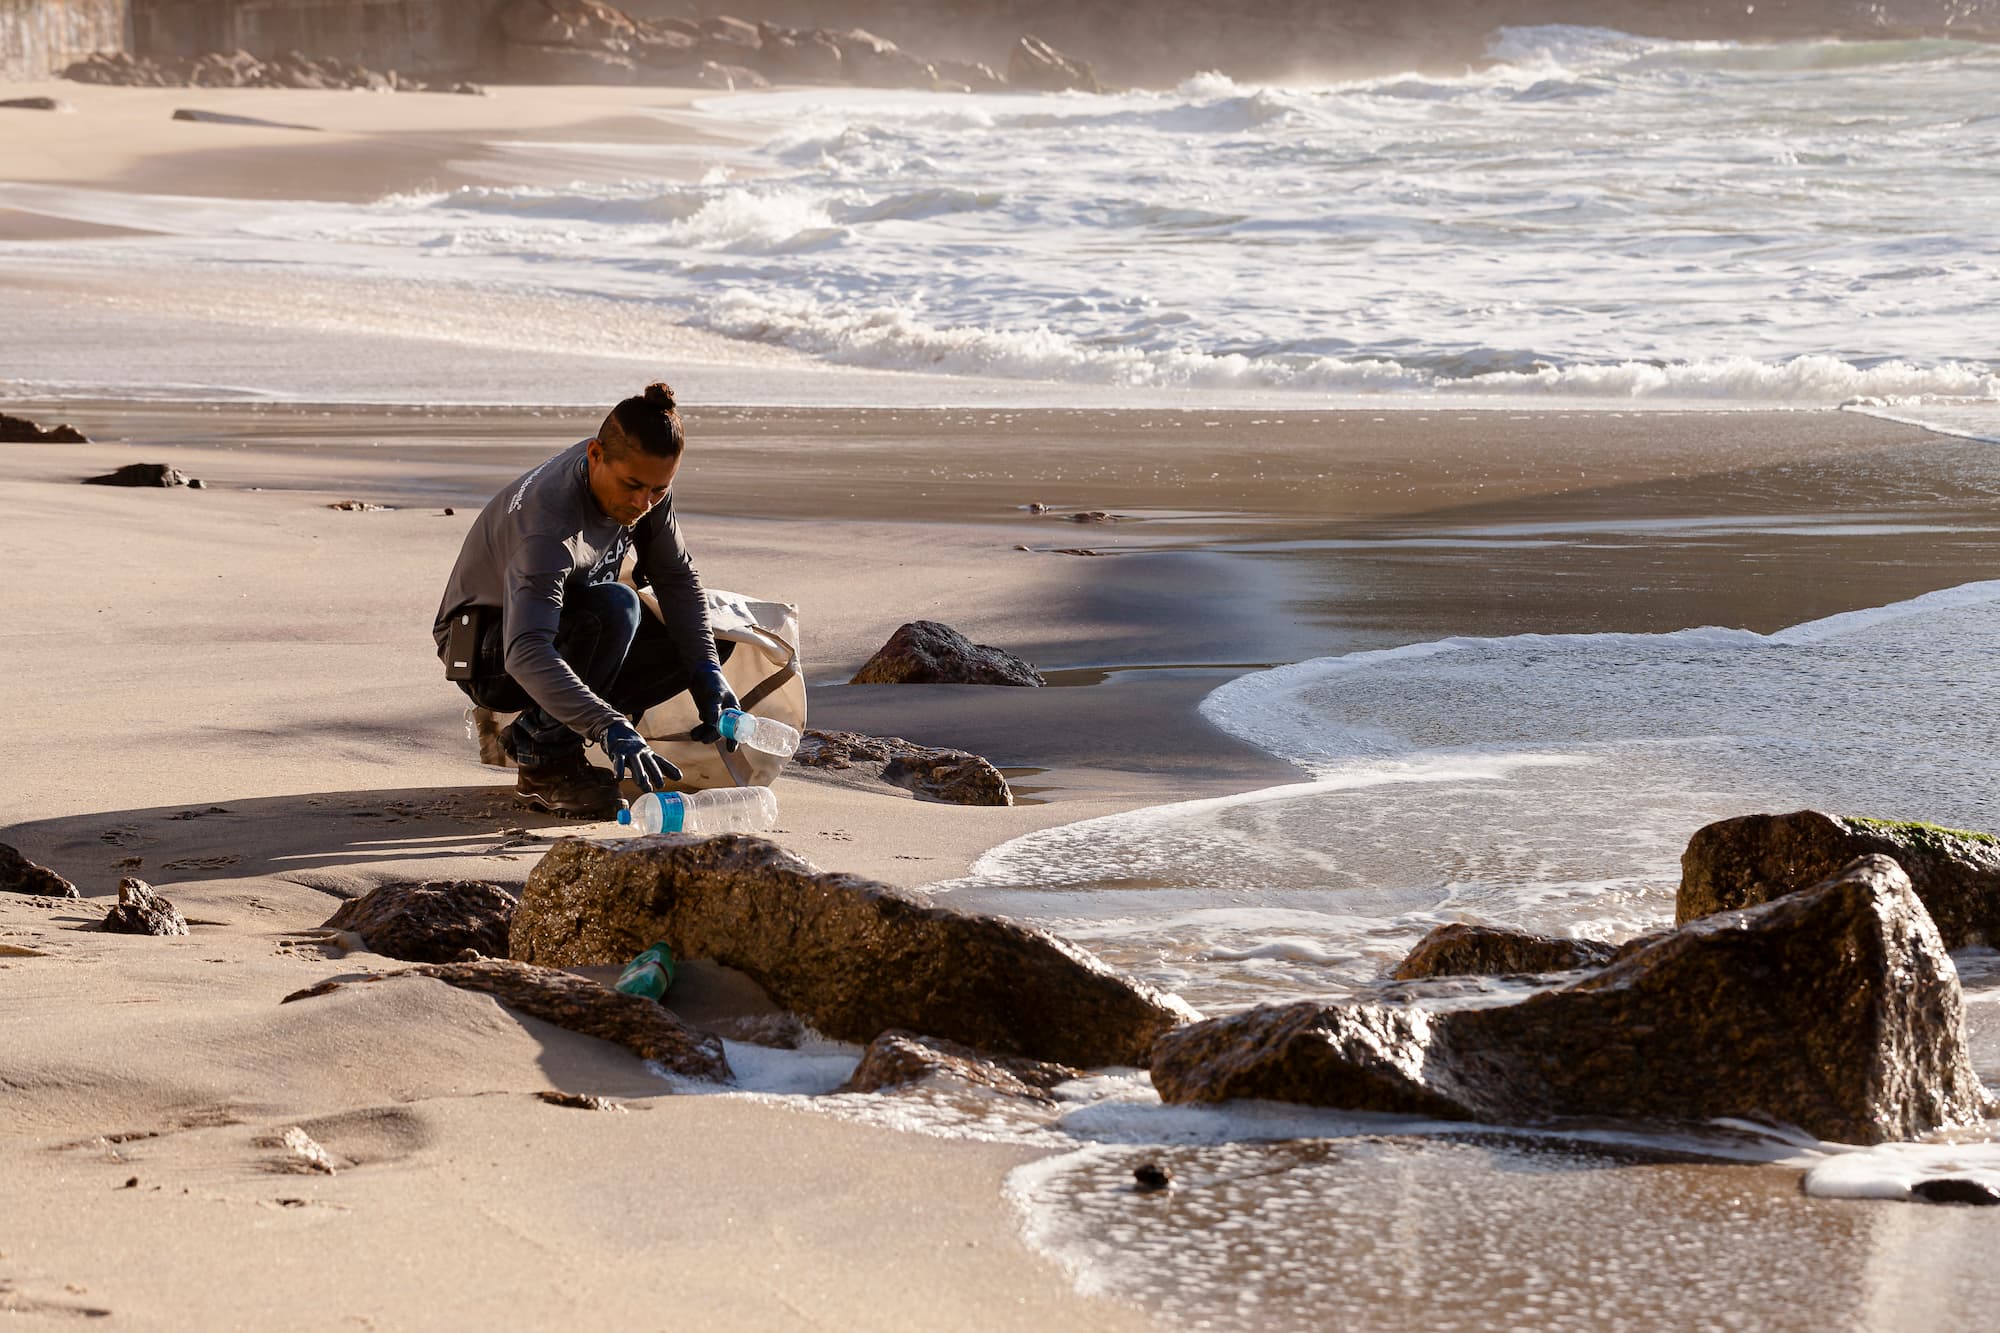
(763, 670)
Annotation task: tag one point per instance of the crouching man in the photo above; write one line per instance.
(535, 621)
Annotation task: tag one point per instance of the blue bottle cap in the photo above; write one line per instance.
(624, 812)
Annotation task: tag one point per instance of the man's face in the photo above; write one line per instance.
(628, 486)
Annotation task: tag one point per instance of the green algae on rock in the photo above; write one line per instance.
(1755, 858)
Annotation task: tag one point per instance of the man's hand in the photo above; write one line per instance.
(629, 752)
(712, 696)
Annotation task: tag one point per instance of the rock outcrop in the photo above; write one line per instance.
(240, 69)
(20, 430)
(1463, 950)
(954, 777)
(431, 922)
(576, 1003)
(1834, 1009)
(788, 55)
(1033, 63)
(896, 1059)
(20, 875)
(852, 957)
(925, 652)
(141, 911)
(1742, 862)
(877, 62)
(143, 474)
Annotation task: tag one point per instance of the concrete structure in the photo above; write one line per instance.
(40, 37)
(413, 36)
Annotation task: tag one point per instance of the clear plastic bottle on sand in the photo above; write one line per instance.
(717, 810)
(759, 733)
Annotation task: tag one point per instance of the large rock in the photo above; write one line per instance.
(141, 911)
(431, 922)
(587, 24)
(788, 55)
(1460, 949)
(1834, 1009)
(1033, 63)
(579, 1004)
(851, 956)
(1753, 859)
(955, 777)
(876, 62)
(142, 474)
(20, 875)
(970, 75)
(924, 652)
(722, 30)
(20, 430)
(897, 1059)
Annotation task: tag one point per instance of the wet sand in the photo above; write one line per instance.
(235, 697)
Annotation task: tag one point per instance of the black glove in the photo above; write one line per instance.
(712, 696)
(629, 752)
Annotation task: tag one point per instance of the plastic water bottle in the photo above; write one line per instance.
(759, 733)
(717, 810)
(650, 974)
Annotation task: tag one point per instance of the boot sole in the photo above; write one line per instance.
(537, 801)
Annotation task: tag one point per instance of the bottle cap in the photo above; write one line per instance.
(624, 812)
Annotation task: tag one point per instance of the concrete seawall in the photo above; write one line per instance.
(413, 36)
(40, 37)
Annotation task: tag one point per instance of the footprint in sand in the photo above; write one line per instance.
(201, 863)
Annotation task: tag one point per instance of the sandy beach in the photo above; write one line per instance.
(231, 692)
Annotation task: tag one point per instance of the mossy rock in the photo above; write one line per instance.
(1754, 858)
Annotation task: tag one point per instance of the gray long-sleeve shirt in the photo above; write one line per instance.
(545, 535)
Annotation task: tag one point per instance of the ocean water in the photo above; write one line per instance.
(1540, 781)
(1590, 216)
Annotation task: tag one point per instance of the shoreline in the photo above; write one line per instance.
(254, 651)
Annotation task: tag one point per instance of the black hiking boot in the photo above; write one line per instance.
(570, 785)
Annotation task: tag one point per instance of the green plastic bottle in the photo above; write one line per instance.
(651, 974)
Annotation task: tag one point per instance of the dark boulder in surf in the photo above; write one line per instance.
(898, 1059)
(1460, 949)
(1756, 858)
(954, 777)
(925, 652)
(1834, 1009)
(851, 956)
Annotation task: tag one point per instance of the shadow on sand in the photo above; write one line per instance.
(326, 840)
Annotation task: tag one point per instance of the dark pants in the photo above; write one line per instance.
(621, 653)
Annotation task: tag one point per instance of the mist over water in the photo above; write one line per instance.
(1593, 215)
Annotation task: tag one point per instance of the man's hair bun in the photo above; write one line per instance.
(645, 421)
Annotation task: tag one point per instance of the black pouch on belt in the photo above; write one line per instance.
(462, 640)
